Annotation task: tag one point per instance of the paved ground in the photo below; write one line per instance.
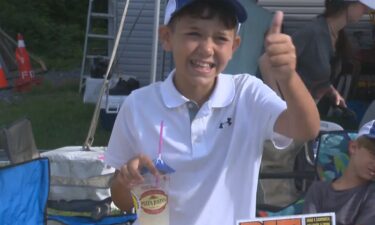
(55, 77)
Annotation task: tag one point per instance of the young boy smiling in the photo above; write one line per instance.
(214, 124)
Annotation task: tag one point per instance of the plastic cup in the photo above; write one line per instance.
(152, 198)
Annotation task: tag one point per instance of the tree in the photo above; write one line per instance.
(53, 30)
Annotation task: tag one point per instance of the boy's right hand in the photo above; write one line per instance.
(279, 59)
(130, 175)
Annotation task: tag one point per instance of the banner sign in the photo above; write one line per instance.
(307, 219)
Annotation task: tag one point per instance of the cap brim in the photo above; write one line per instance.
(174, 6)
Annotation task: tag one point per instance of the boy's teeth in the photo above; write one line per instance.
(202, 64)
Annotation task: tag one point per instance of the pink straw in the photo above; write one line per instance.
(160, 147)
(161, 138)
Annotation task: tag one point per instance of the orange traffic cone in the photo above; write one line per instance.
(3, 80)
(26, 74)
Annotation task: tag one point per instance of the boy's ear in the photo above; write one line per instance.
(236, 43)
(353, 146)
(165, 37)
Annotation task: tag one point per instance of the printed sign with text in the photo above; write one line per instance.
(307, 219)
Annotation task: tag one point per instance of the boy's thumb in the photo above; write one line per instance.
(277, 22)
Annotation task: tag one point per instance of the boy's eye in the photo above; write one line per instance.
(193, 34)
(223, 38)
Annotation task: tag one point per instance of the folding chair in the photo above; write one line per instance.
(332, 157)
(24, 192)
(18, 141)
(369, 114)
(331, 140)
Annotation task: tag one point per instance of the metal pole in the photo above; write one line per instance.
(83, 64)
(154, 57)
(94, 121)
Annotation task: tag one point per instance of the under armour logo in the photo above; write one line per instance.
(226, 123)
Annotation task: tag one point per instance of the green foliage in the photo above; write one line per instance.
(58, 116)
(53, 30)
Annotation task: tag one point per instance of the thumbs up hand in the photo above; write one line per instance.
(279, 60)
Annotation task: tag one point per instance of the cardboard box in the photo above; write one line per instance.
(92, 90)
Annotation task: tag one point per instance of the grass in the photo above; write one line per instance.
(57, 113)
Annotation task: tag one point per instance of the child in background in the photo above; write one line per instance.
(214, 124)
(351, 196)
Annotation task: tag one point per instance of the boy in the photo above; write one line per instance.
(214, 124)
(351, 196)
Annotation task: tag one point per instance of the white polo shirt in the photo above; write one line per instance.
(216, 156)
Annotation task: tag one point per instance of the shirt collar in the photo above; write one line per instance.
(171, 97)
(222, 95)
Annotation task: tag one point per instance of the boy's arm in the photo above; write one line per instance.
(120, 193)
(300, 120)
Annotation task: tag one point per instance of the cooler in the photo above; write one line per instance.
(78, 175)
(109, 107)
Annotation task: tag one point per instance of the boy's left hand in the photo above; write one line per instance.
(279, 59)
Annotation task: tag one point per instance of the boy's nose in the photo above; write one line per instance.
(372, 164)
(206, 48)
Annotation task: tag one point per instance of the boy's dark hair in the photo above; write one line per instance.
(333, 7)
(367, 143)
(208, 9)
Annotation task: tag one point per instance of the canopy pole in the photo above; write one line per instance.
(154, 57)
(94, 121)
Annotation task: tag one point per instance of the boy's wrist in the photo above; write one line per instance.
(287, 80)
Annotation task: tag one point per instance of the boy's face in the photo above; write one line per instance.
(201, 50)
(363, 161)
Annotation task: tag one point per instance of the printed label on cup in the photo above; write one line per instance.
(154, 201)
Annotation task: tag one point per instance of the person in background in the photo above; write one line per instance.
(322, 47)
(351, 196)
(215, 124)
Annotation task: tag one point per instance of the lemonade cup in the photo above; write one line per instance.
(152, 200)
